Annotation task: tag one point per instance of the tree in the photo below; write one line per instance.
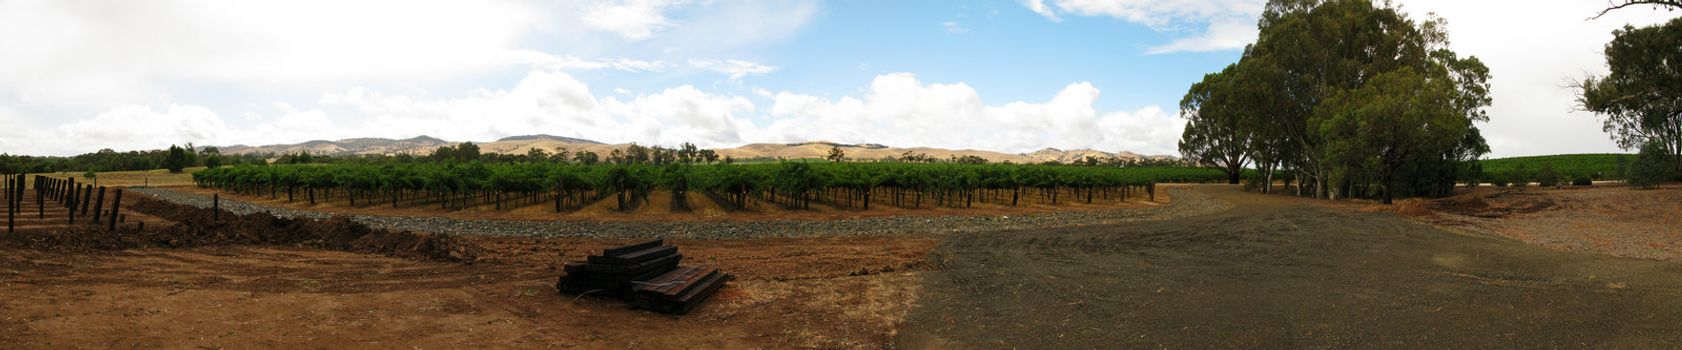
(467, 152)
(537, 155)
(176, 160)
(1357, 100)
(836, 154)
(1641, 100)
(212, 157)
(1615, 5)
(1652, 166)
(1215, 135)
(586, 158)
(91, 175)
(1547, 177)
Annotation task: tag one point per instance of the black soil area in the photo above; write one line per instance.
(195, 227)
(1276, 272)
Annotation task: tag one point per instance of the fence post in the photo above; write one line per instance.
(116, 204)
(71, 204)
(87, 193)
(99, 204)
(40, 199)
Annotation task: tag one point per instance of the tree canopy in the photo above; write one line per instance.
(1641, 100)
(1352, 98)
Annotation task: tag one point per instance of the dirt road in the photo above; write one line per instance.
(1277, 272)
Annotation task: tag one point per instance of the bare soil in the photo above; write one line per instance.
(1612, 220)
(1280, 272)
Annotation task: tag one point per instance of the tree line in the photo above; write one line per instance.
(1342, 98)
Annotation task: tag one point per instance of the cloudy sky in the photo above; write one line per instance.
(1015, 76)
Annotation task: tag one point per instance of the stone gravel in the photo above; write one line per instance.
(1185, 203)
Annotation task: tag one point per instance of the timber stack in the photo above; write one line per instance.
(646, 274)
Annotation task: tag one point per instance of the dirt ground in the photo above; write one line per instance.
(1273, 272)
(1279, 272)
(788, 293)
(1613, 219)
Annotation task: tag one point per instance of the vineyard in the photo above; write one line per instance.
(792, 185)
(1597, 166)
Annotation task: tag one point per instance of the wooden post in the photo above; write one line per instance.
(216, 207)
(116, 204)
(71, 214)
(11, 204)
(99, 204)
(87, 193)
(40, 199)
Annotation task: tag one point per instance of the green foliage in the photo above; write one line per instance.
(1639, 99)
(1582, 180)
(1598, 166)
(631, 183)
(1547, 177)
(177, 159)
(1361, 99)
(212, 157)
(1215, 135)
(1652, 166)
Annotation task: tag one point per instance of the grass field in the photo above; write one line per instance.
(157, 177)
(1599, 166)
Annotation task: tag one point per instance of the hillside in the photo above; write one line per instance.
(522, 144)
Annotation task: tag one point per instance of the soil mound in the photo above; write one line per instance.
(195, 227)
(1497, 204)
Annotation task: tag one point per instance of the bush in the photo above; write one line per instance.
(1547, 177)
(1581, 180)
(1499, 183)
(1652, 166)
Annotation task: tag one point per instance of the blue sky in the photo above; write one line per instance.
(1013, 75)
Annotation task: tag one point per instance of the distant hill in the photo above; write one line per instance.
(521, 144)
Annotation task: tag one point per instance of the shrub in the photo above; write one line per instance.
(1652, 166)
(1547, 177)
(1582, 180)
(1499, 183)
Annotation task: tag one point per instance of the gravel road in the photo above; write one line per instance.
(1185, 203)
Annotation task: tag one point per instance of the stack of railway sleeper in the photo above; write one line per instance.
(646, 274)
(619, 269)
(679, 290)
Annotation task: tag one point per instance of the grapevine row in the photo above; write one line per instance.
(798, 185)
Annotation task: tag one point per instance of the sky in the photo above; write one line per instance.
(1011, 75)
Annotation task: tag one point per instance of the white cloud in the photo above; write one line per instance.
(1038, 6)
(1202, 25)
(736, 69)
(1223, 34)
(554, 103)
(120, 51)
(898, 109)
(1531, 58)
(633, 20)
(545, 61)
(954, 27)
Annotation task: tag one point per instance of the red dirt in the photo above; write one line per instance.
(194, 227)
(260, 281)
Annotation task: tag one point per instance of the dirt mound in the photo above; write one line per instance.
(1497, 204)
(197, 227)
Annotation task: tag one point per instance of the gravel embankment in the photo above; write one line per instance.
(1185, 203)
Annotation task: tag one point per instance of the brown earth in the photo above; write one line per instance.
(260, 281)
(1281, 272)
(1612, 220)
